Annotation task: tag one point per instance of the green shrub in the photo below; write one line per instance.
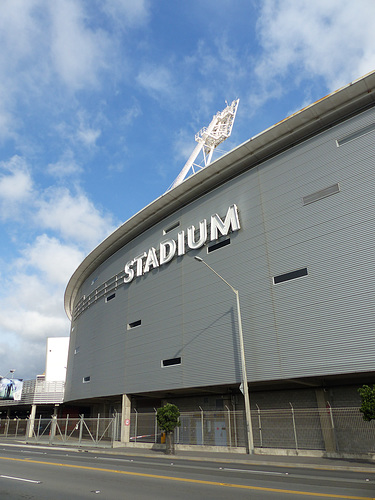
(168, 417)
(367, 408)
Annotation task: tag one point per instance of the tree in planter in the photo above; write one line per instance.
(168, 419)
(367, 408)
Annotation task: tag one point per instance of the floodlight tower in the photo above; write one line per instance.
(208, 138)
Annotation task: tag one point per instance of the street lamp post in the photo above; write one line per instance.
(245, 388)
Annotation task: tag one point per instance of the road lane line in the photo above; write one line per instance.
(257, 471)
(184, 480)
(21, 479)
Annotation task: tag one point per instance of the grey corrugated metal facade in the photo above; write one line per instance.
(304, 190)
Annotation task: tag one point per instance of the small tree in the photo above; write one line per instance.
(367, 408)
(168, 419)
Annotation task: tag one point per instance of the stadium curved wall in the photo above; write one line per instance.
(302, 259)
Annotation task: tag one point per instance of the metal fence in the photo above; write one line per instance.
(340, 430)
(74, 431)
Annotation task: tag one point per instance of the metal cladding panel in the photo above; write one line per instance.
(319, 324)
(324, 319)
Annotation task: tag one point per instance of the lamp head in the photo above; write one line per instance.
(198, 258)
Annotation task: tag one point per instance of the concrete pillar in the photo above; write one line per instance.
(52, 432)
(125, 418)
(30, 423)
(328, 431)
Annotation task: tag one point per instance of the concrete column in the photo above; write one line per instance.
(328, 431)
(125, 418)
(52, 432)
(30, 423)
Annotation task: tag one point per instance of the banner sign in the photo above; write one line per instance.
(10, 388)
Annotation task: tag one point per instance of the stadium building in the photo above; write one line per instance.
(287, 219)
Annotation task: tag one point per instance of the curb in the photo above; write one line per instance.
(196, 458)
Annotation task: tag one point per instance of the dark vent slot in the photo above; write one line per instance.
(323, 193)
(86, 379)
(216, 246)
(134, 324)
(110, 297)
(171, 362)
(356, 135)
(290, 276)
(170, 228)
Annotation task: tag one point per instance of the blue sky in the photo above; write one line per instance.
(99, 105)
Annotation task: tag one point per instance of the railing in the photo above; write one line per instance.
(37, 392)
(340, 430)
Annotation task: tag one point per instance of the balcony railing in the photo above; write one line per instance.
(38, 392)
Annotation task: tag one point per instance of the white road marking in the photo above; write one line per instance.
(257, 471)
(21, 479)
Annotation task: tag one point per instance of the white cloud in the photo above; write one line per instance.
(88, 136)
(131, 113)
(31, 324)
(19, 29)
(48, 46)
(54, 260)
(27, 357)
(78, 52)
(127, 12)
(334, 40)
(8, 122)
(156, 80)
(64, 167)
(34, 309)
(37, 278)
(74, 217)
(15, 186)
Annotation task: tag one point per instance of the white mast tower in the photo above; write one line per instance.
(208, 138)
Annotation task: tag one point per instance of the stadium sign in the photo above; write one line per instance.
(186, 239)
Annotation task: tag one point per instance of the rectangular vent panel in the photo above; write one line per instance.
(290, 276)
(110, 297)
(170, 228)
(134, 324)
(323, 193)
(171, 362)
(216, 246)
(355, 135)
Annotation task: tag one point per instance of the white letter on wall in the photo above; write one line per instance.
(151, 261)
(181, 243)
(138, 260)
(202, 235)
(167, 251)
(129, 272)
(231, 221)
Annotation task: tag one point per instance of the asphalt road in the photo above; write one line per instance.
(29, 474)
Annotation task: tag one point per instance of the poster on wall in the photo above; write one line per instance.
(10, 388)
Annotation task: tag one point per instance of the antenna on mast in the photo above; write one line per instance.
(208, 138)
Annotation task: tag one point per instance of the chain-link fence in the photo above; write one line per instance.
(75, 431)
(13, 427)
(341, 430)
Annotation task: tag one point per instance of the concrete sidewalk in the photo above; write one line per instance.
(291, 461)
